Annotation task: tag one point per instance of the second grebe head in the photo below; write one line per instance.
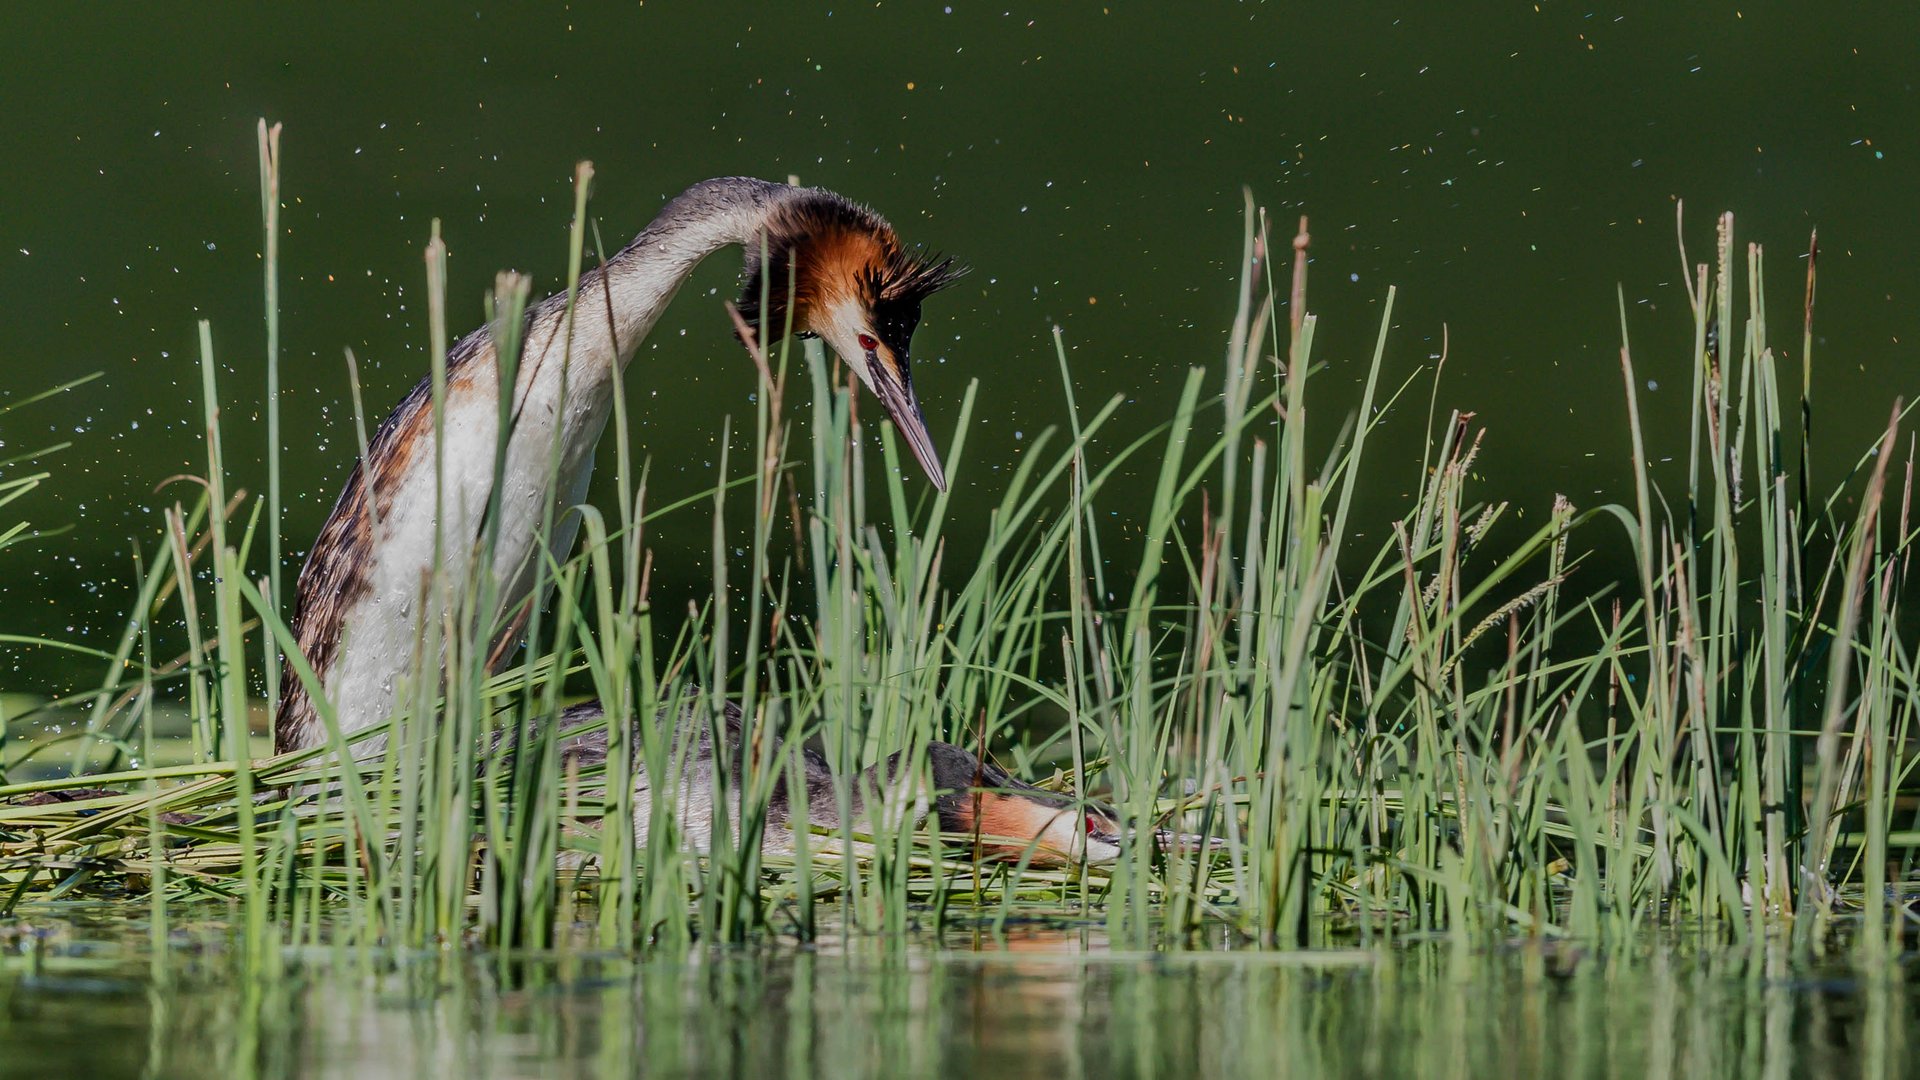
(1016, 820)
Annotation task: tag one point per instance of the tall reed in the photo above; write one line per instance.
(1459, 728)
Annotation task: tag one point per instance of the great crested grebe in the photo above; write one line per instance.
(1008, 818)
(360, 608)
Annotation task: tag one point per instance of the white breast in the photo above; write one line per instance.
(382, 631)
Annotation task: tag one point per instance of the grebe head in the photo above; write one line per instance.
(1016, 820)
(852, 284)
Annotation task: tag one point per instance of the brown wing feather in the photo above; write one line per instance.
(335, 574)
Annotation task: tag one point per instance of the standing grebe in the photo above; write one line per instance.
(359, 608)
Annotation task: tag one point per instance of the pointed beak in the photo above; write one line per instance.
(904, 409)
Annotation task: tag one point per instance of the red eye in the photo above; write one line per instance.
(1094, 826)
(867, 343)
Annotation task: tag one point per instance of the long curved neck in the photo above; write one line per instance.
(710, 215)
(618, 303)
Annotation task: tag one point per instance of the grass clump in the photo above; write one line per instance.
(1450, 731)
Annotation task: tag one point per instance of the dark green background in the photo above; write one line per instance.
(1506, 165)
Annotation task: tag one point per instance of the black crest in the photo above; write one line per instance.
(908, 277)
(819, 244)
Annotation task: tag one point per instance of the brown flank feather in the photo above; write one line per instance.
(335, 574)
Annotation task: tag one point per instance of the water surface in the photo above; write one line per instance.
(1041, 1000)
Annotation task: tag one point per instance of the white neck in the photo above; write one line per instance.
(641, 280)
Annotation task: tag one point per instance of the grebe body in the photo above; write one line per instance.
(408, 509)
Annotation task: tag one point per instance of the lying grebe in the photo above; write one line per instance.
(359, 608)
(970, 798)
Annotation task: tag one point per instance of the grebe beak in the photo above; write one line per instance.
(894, 387)
(912, 426)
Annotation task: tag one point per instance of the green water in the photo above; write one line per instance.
(1039, 1001)
(1506, 166)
